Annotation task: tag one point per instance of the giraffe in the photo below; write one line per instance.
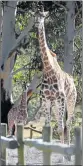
(18, 113)
(57, 86)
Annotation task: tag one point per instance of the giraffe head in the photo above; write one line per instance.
(39, 18)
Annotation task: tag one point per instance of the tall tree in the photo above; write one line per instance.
(8, 39)
(0, 60)
(9, 46)
(69, 38)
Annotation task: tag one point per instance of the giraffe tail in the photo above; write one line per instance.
(65, 131)
(65, 127)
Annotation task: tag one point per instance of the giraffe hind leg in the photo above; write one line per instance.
(65, 119)
(66, 131)
(61, 110)
(70, 108)
(60, 106)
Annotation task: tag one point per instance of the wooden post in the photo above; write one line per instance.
(31, 130)
(78, 148)
(3, 149)
(47, 136)
(20, 128)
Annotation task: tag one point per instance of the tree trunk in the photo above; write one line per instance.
(69, 38)
(9, 46)
(8, 39)
(0, 63)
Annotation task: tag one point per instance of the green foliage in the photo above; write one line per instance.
(22, 21)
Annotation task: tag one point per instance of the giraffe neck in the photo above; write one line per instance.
(47, 58)
(24, 101)
(42, 37)
(43, 47)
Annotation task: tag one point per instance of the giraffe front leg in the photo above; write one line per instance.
(61, 130)
(60, 105)
(13, 129)
(10, 125)
(47, 113)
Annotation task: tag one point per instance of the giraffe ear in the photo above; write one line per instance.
(44, 14)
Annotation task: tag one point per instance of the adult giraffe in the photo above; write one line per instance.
(57, 86)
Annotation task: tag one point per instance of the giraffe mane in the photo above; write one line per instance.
(52, 53)
(29, 93)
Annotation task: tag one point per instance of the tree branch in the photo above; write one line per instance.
(33, 117)
(76, 46)
(77, 31)
(33, 85)
(60, 5)
(35, 81)
(78, 12)
(24, 33)
(22, 68)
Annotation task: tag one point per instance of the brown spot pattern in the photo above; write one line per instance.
(43, 49)
(45, 58)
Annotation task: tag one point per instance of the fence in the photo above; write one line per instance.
(32, 129)
(45, 144)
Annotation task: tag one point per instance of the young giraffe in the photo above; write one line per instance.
(18, 114)
(57, 86)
